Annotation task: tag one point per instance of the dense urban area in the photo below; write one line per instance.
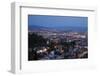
(51, 45)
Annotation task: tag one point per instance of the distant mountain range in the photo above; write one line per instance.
(59, 28)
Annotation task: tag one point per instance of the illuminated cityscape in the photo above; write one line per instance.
(50, 43)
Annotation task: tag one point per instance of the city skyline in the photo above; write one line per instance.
(57, 37)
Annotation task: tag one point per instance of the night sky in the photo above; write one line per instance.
(57, 21)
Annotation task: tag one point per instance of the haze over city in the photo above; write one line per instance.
(60, 23)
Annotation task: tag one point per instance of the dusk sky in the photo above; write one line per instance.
(57, 21)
